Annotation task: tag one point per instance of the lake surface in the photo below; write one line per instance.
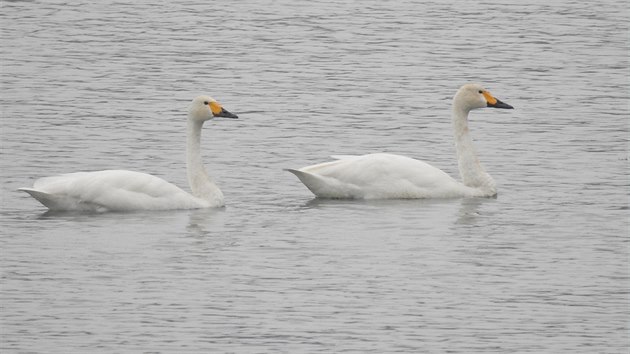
(543, 268)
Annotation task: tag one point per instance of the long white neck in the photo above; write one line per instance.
(470, 169)
(201, 184)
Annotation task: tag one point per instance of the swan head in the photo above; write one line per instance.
(473, 96)
(204, 108)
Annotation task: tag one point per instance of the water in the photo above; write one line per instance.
(543, 268)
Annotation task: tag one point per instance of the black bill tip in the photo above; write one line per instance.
(226, 114)
(499, 104)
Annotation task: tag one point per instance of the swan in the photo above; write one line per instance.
(388, 176)
(121, 190)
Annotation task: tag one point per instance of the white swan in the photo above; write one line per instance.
(120, 190)
(387, 176)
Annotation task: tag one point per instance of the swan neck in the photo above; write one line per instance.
(200, 182)
(471, 171)
(193, 151)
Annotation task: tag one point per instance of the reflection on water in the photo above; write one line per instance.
(469, 210)
(202, 222)
(542, 268)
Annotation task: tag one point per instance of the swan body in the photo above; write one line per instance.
(388, 176)
(121, 190)
(380, 176)
(113, 190)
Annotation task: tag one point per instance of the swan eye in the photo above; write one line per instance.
(206, 102)
(480, 91)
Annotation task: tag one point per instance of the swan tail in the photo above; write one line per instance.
(326, 187)
(313, 182)
(60, 203)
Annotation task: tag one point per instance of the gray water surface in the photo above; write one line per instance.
(543, 268)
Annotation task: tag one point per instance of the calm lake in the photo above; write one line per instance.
(542, 268)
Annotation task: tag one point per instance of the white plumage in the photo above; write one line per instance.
(121, 190)
(116, 190)
(388, 176)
